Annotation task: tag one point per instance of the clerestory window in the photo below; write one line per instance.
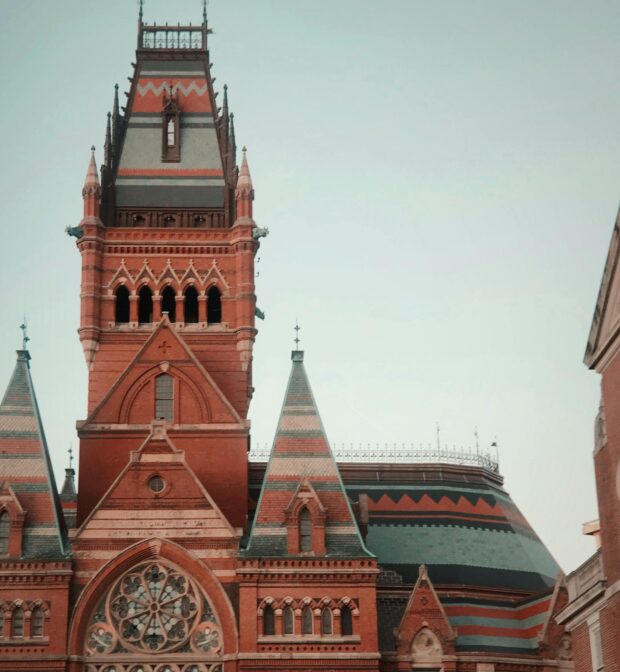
(122, 305)
(4, 532)
(269, 621)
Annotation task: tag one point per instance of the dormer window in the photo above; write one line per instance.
(171, 141)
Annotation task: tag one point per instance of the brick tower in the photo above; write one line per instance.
(167, 300)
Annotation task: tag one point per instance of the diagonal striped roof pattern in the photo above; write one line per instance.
(300, 453)
(25, 465)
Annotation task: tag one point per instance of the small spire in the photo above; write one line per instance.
(140, 13)
(92, 176)
(225, 103)
(245, 179)
(107, 147)
(204, 12)
(233, 142)
(92, 189)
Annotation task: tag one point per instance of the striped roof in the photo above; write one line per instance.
(466, 532)
(25, 466)
(487, 626)
(144, 179)
(301, 454)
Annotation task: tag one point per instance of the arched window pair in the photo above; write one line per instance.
(307, 621)
(37, 622)
(168, 305)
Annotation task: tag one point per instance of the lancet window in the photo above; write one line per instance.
(269, 620)
(305, 531)
(145, 305)
(306, 621)
(164, 397)
(346, 620)
(168, 303)
(214, 306)
(191, 305)
(17, 622)
(37, 621)
(122, 305)
(288, 621)
(326, 621)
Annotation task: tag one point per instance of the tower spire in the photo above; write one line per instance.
(233, 142)
(204, 12)
(24, 327)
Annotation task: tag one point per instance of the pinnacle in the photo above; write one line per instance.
(245, 179)
(92, 175)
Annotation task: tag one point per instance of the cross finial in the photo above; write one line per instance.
(70, 451)
(24, 327)
(296, 339)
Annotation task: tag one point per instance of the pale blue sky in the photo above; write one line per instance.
(440, 181)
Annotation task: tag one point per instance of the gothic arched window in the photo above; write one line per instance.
(17, 622)
(121, 307)
(346, 620)
(214, 306)
(326, 621)
(288, 618)
(306, 621)
(164, 397)
(145, 305)
(305, 531)
(169, 303)
(269, 621)
(5, 526)
(191, 305)
(37, 619)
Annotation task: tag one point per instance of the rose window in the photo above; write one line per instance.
(154, 608)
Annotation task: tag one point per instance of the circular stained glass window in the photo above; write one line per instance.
(154, 608)
(156, 484)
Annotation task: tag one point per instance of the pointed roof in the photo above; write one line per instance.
(91, 183)
(25, 465)
(301, 454)
(245, 179)
(603, 340)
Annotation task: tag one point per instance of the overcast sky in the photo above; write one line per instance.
(440, 181)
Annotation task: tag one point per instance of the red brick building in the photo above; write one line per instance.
(181, 555)
(593, 613)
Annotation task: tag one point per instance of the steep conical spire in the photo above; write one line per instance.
(27, 468)
(92, 189)
(116, 122)
(302, 473)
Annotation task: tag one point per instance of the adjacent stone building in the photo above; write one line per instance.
(179, 554)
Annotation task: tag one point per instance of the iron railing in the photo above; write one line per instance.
(422, 454)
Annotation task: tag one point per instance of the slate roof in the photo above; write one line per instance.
(466, 532)
(143, 179)
(25, 465)
(301, 452)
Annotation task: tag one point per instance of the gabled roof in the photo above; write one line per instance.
(25, 465)
(180, 509)
(605, 329)
(301, 453)
(166, 347)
